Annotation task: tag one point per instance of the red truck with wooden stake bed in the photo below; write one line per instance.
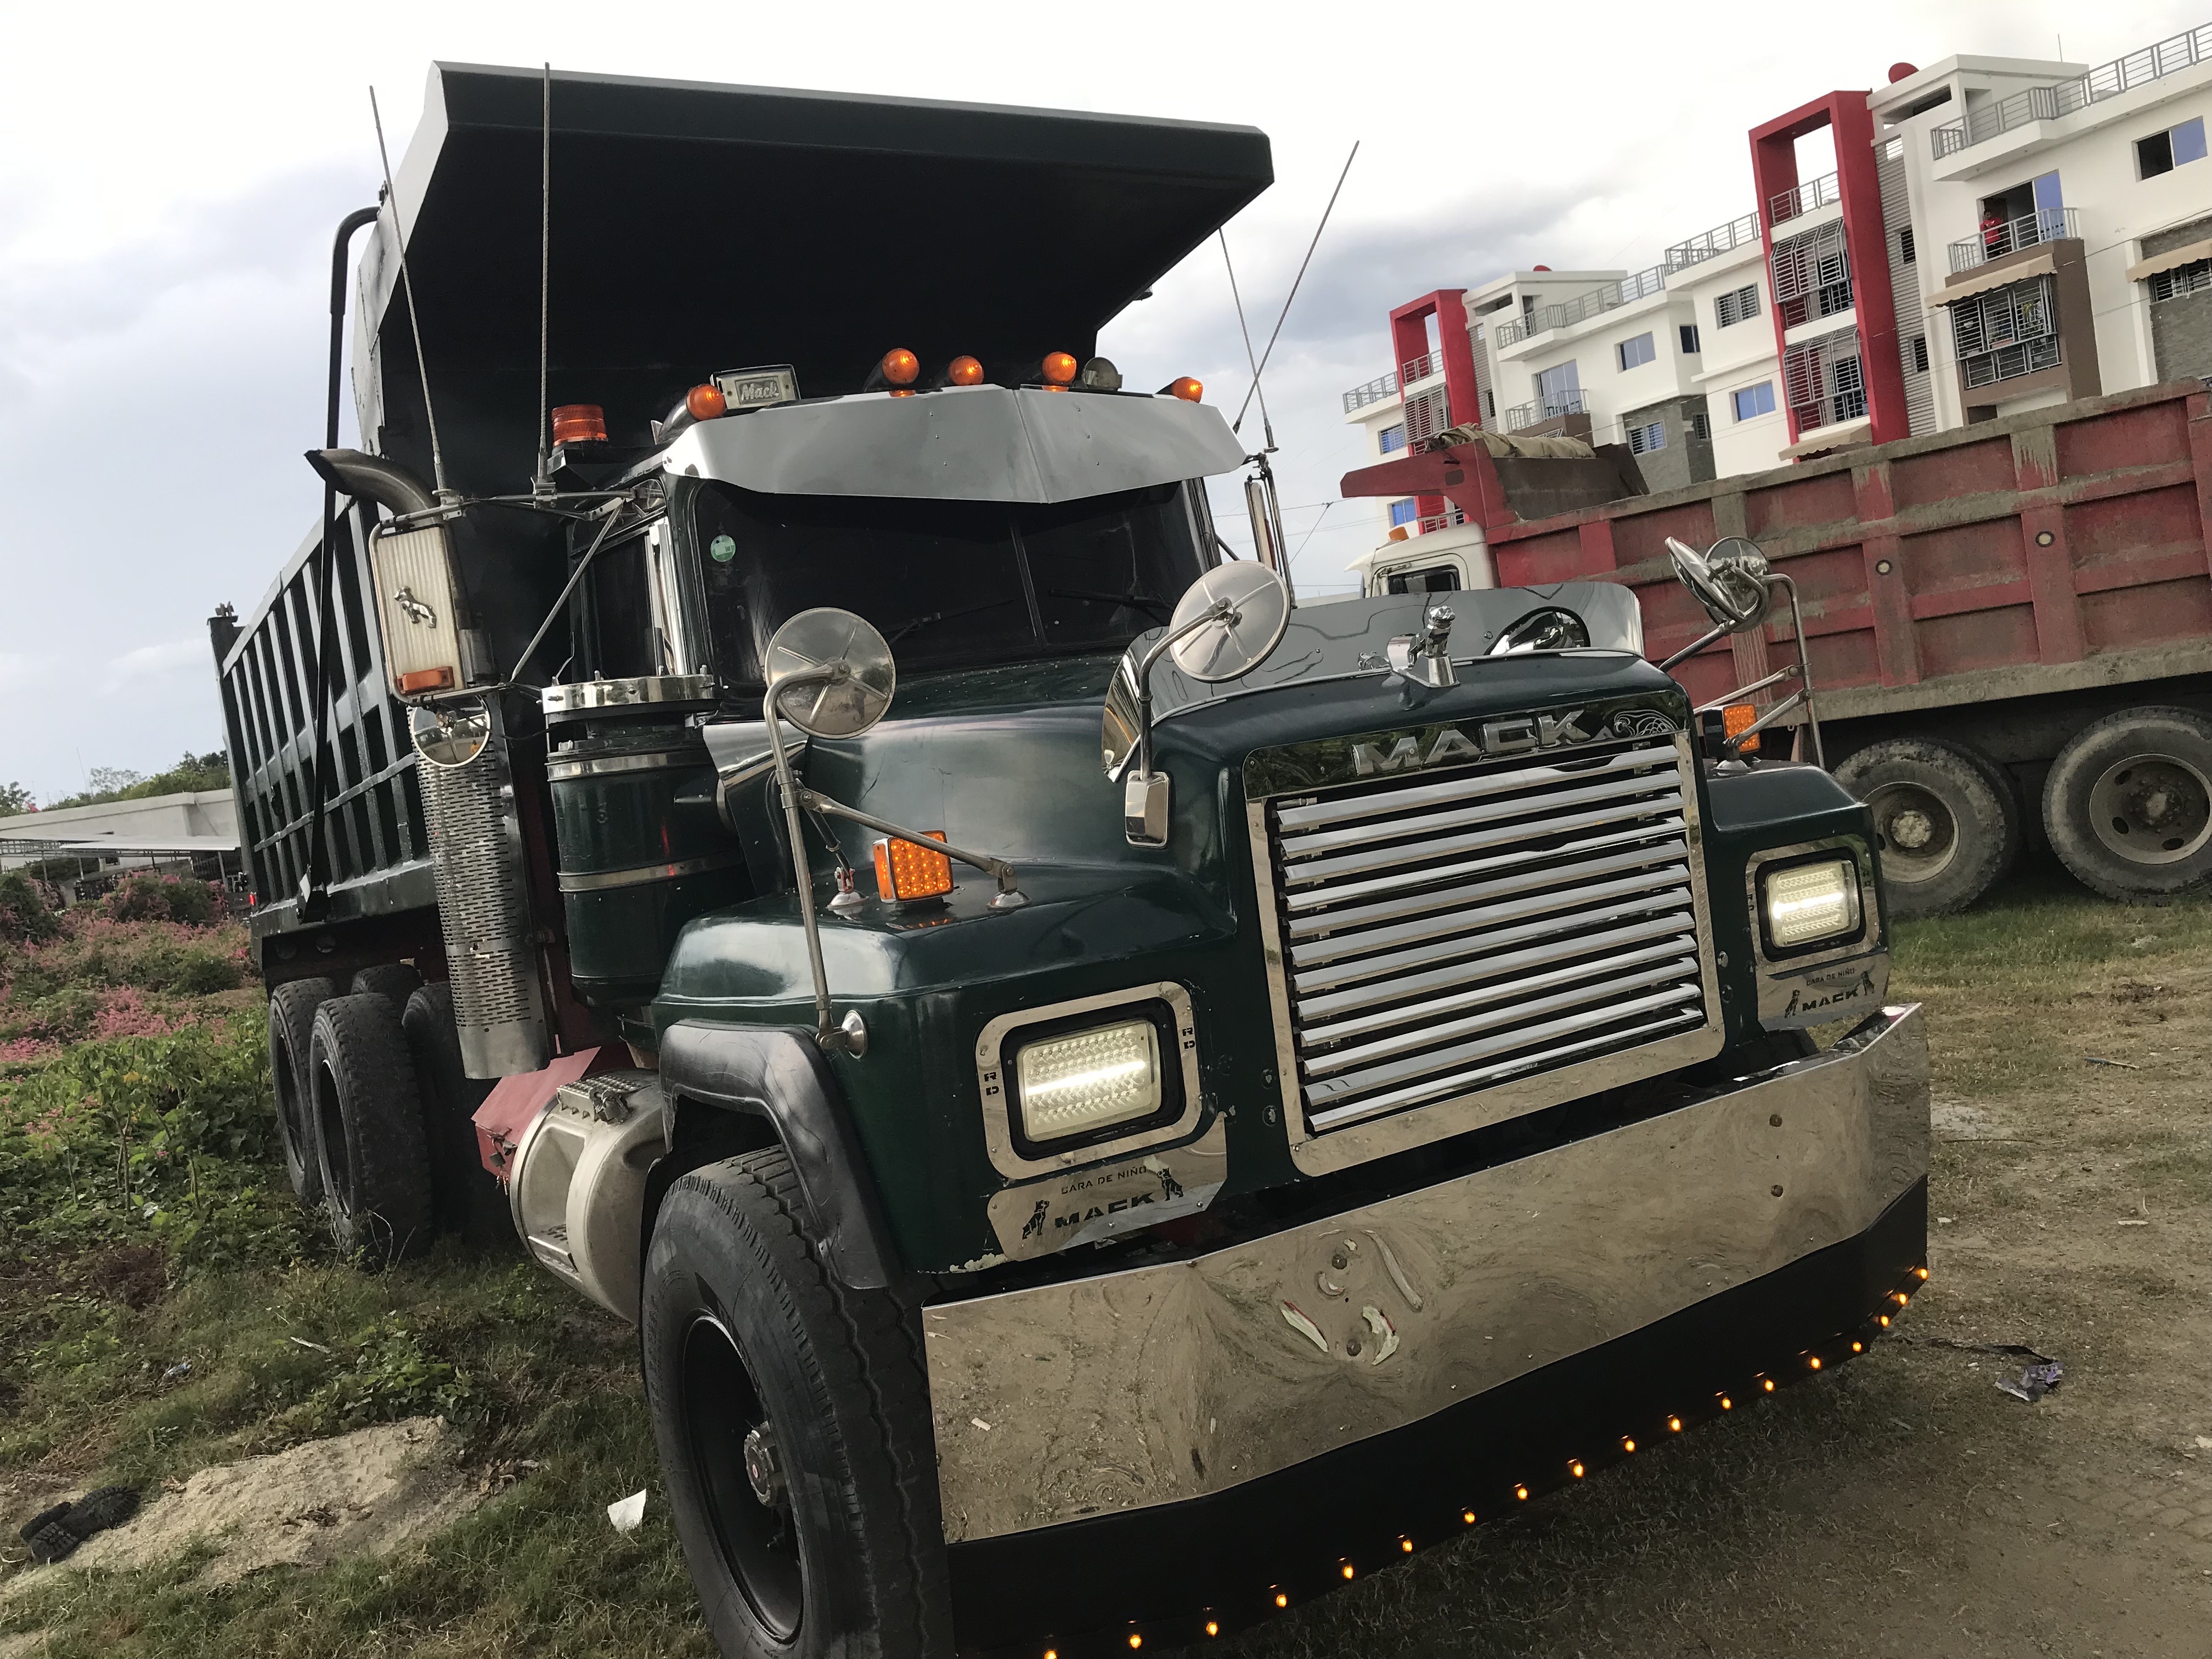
(2010, 625)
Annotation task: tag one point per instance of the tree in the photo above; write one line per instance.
(112, 783)
(15, 798)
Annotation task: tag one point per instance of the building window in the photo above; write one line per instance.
(1404, 511)
(1920, 353)
(1643, 440)
(2006, 332)
(1812, 276)
(1701, 426)
(1394, 438)
(1558, 391)
(1905, 250)
(2162, 152)
(1489, 404)
(1754, 400)
(1737, 307)
(1635, 353)
(2182, 281)
(1689, 331)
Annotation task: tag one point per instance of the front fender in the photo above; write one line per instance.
(779, 1074)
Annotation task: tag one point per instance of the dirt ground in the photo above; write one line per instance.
(1905, 1506)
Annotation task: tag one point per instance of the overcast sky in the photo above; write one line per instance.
(170, 177)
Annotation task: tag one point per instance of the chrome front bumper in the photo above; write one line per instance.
(1175, 1382)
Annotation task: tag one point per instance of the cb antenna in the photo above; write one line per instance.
(414, 322)
(1267, 425)
(544, 485)
(1236, 423)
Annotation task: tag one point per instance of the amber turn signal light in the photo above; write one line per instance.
(425, 679)
(1189, 390)
(706, 402)
(579, 423)
(1737, 717)
(1058, 368)
(906, 869)
(964, 371)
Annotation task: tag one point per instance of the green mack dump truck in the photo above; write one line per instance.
(1114, 1103)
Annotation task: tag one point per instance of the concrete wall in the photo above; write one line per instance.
(2181, 328)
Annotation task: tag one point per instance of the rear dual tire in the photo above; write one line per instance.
(1946, 817)
(2128, 805)
(369, 1128)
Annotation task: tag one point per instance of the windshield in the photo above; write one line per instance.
(950, 583)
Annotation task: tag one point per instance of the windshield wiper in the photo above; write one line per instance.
(1150, 603)
(916, 624)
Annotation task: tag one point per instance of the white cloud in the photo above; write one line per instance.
(158, 662)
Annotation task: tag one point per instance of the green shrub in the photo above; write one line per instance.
(148, 897)
(24, 917)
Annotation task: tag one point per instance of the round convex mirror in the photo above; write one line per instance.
(1259, 610)
(453, 735)
(830, 673)
(1729, 581)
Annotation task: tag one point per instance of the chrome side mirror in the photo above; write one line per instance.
(830, 674)
(1730, 580)
(1227, 623)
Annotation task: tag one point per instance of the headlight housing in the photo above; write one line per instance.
(1810, 901)
(1095, 1082)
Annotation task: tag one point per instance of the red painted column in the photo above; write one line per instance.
(1774, 169)
(1458, 353)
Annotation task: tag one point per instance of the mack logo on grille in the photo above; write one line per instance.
(1516, 734)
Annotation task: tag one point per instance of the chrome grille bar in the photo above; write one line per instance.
(1443, 935)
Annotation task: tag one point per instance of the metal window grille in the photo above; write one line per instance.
(1823, 380)
(1812, 276)
(1643, 440)
(2182, 281)
(2168, 57)
(1701, 427)
(1427, 413)
(1393, 439)
(1742, 306)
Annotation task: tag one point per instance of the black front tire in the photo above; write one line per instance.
(291, 1027)
(368, 1124)
(2128, 805)
(792, 1416)
(1948, 819)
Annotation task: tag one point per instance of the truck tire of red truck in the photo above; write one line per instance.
(1948, 819)
(2128, 805)
(793, 1419)
(368, 1129)
(291, 1024)
(464, 1197)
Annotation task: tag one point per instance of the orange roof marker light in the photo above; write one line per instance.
(1058, 370)
(964, 371)
(579, 423)
(1189, 390)
(900, 369)
(706, 402)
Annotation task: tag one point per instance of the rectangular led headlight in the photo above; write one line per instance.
(1806, 903)
(1088, 1080)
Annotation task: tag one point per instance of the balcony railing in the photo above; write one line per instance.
(1544, 408)
(1820, 193)
(1437, 521)
(1736, 233)
(1381, 389)
(2030, 230)
(1427, 366)
(1583, 307)
(2048, 103)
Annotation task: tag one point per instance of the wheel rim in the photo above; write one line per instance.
(2151, 809)
(1919, 831)
(330, 1118)
(740, 1469)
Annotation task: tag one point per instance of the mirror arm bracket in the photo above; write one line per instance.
(1010, 897)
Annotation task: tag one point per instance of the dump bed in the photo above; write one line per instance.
(2048, 552)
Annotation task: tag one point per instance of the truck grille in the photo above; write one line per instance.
(1443, 935)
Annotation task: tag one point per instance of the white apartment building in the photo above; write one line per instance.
(1997, 233)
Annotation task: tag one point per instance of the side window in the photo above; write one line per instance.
(1643, 440)
(2177, 146)
(1635, 353)
(1906, 250)
(1690, 347)
(1438, 578)
(1920, 353)
(1732, 309)
(1754, 400)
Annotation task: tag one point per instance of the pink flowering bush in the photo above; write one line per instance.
(150, 897)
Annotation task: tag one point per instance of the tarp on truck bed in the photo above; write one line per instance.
(697, 227)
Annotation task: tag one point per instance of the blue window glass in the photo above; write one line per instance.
(2189, 141)
(1636, 352)
(1394, 438)
(1404, 511)
(1755, 400)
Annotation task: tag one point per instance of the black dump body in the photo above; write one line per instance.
(694, 228)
